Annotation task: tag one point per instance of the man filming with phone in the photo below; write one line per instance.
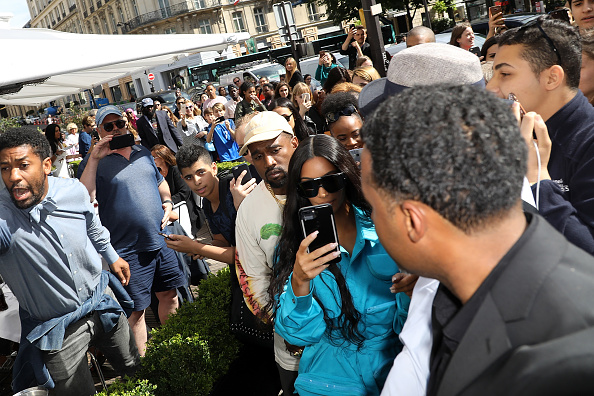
(134, 205)
(355, 45)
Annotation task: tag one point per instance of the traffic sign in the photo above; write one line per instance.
(151, 76)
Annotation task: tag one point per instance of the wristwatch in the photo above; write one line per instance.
(168, 200)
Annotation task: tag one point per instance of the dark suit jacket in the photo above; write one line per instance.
(147, 133)
(171, 137)
(534, 332)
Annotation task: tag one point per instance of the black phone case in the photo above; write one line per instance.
(121, 141)
(319, 218)
(240, 168)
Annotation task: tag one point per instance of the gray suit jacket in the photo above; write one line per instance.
(534, 333)
(171, 136)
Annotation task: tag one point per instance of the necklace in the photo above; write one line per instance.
(279, 202)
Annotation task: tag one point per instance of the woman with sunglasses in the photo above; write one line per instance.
(131, 118)
(287, 109)
(191, 125)
(344, 314)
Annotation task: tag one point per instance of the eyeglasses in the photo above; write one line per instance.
(331, 183)
(108, 126)
(287, 116)
(347, 111)
(537, 22)
(189, 106)
(235, 81)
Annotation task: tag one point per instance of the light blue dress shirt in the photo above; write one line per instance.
(48, 253)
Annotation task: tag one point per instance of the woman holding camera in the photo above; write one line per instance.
(343, 315)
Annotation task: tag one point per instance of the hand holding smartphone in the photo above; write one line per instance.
(237, 170)
(165, 236)
(320, 218)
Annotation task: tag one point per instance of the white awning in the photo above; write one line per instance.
(52, 64)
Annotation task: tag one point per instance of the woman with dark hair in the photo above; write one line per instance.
(55, 137)
(250, 102)
(462, 36)
(490, 48)
(335, 76)
(166, 165)
(343, 314)
(287, 109)
(283, 90)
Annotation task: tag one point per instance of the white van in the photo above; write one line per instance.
(272, 71)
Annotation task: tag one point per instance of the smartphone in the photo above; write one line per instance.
(164, 235)
(121, 141)
(320, 218)
(476, 51)
(220, 119)
(351, 26)
(95, 135)
(306, 97)
(494, 10)
(240, 168)
(561, 14)
(356, 154)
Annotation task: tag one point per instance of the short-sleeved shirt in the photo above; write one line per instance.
(224, 142)
(222, 221)
(129, 200)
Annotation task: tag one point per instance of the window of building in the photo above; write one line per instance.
(312, 12)
(135, 7)
(105, 27)
(62, 9)
(198, 4)
(165, 11)
(131, 89)
(114, 24)
(116, 93)
(238, 23)
(97, 28)
(204, 25)
(260, 19)
(84, 4)
(121, 14)
(169, 31)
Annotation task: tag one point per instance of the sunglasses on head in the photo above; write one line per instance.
(331, 183)
(108, 126)
(538, 22)
(347, 111)
(287, 116)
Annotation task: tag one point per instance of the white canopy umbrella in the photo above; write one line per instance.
(41, 65)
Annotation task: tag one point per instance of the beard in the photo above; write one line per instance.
(37, 190)
(278, 182)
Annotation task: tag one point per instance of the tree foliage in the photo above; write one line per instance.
(345, 10)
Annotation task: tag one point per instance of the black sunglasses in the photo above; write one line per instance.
(537, 22)
(287, 116)
(347, 111)
(108, 126)
(331, 183)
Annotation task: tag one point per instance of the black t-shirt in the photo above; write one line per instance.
(223, 220)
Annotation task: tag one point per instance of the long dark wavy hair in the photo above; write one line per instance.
(50, 135)
(329, 148)
(302, 131)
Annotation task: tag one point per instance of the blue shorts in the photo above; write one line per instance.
(158, 271)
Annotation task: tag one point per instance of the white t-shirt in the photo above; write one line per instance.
(257, 229)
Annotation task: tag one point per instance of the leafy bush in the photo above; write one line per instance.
(130, 387)
(195, 347)
(8, 123)
(225, 167)
(441, 24)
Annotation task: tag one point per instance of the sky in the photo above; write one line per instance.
(19, 9)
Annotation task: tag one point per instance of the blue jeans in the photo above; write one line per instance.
(69, 367)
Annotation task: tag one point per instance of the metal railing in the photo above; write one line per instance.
(167, 12)
(72, 7)
(262, 29)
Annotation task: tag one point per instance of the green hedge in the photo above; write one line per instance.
(194, 348)
(225, 167)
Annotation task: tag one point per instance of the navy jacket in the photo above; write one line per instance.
(567, 201)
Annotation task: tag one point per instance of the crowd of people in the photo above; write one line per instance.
(451, 203)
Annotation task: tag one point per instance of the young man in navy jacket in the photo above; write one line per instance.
(540, 64)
